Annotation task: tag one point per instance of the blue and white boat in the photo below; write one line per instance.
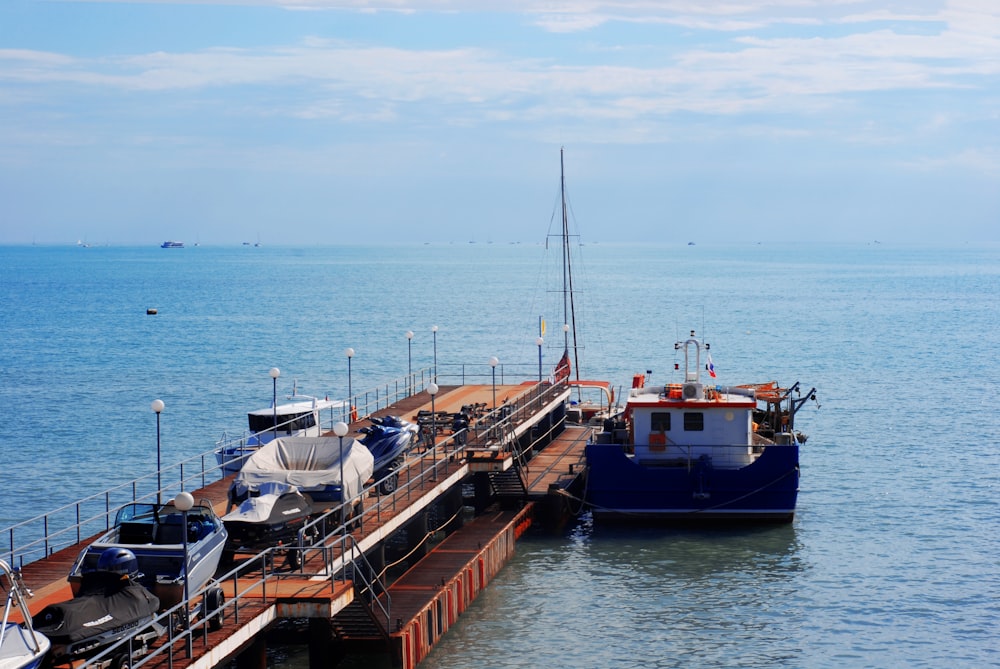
(21, 647)
(302, 417)
(697, 452)
(169, 244)
(172, 556)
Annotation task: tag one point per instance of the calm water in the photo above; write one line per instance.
(892, 559)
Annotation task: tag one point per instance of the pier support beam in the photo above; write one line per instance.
(483, 491)
(324, 652)
(416, 533)
(253, 656)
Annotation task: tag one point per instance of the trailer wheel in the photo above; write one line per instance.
(214, 600)
(121, 662)
(388, 485)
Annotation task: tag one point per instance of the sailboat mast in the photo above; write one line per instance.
(569, 309)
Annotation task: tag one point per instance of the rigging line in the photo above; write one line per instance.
(569, 306)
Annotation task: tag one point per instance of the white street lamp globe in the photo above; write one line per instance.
(432, 389)
(184, 501)
(340, 428)
(156, 406)
(275, 372)
(349, 352)
(494, 361)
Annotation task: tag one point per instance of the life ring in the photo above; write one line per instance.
(354, 414)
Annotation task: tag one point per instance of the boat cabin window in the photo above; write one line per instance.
(286, 423)
(659, 422)
(694, 421)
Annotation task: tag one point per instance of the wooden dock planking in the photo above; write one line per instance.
(559, 463)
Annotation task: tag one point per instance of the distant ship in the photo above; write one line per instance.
(172, 245)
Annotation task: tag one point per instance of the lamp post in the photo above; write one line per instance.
(275, 373)
(183, 502)
(409, 362)
(349, 352)
(433, 390)
(340, 429)
(538, 342)
(157, 407)
(493, 363)
(434, 331)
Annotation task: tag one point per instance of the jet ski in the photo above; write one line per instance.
(389, 438)
(110, 605)
(271, 514)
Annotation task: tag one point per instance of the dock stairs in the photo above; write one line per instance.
(356, 625)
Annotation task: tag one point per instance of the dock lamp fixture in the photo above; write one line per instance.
(349, 352)
(538, 342)
(183, 503)
(275, 373)
(340, 429)
(157, 407)
(432, 389)
(434, 331)
(409, 362)
(493, 363)
(566, 335)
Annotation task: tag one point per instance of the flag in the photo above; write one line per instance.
(541, 329)
(562, 368)
(710, 367)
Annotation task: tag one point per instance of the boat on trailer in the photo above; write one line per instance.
(109, 606)
(169, 553)
(695, 451)
(301, 417)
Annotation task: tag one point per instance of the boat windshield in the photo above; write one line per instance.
(136, 513)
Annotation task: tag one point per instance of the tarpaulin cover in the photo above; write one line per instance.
(97, 611)
(311, 464)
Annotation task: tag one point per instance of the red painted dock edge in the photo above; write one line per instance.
(429, 598)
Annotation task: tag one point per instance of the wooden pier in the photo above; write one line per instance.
(526, 468)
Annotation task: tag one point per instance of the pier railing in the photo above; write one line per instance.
(254, 584)
(70, 524)
(333, 554)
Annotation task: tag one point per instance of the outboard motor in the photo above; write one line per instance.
(120, 561)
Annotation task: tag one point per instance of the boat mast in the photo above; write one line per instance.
(569, 310)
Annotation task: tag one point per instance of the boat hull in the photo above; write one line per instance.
(763, 491)
(21, 649)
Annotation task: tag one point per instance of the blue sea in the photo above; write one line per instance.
(894, 556)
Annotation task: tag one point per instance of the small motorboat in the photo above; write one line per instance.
(159, 539)
(110, 604)
(389, 439)
(330, 470)
(271, 514)
(22, 646)
(300, 418)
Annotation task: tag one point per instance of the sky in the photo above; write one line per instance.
(314, 122)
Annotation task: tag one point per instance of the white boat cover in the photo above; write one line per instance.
(309, 464)
(259, 509)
